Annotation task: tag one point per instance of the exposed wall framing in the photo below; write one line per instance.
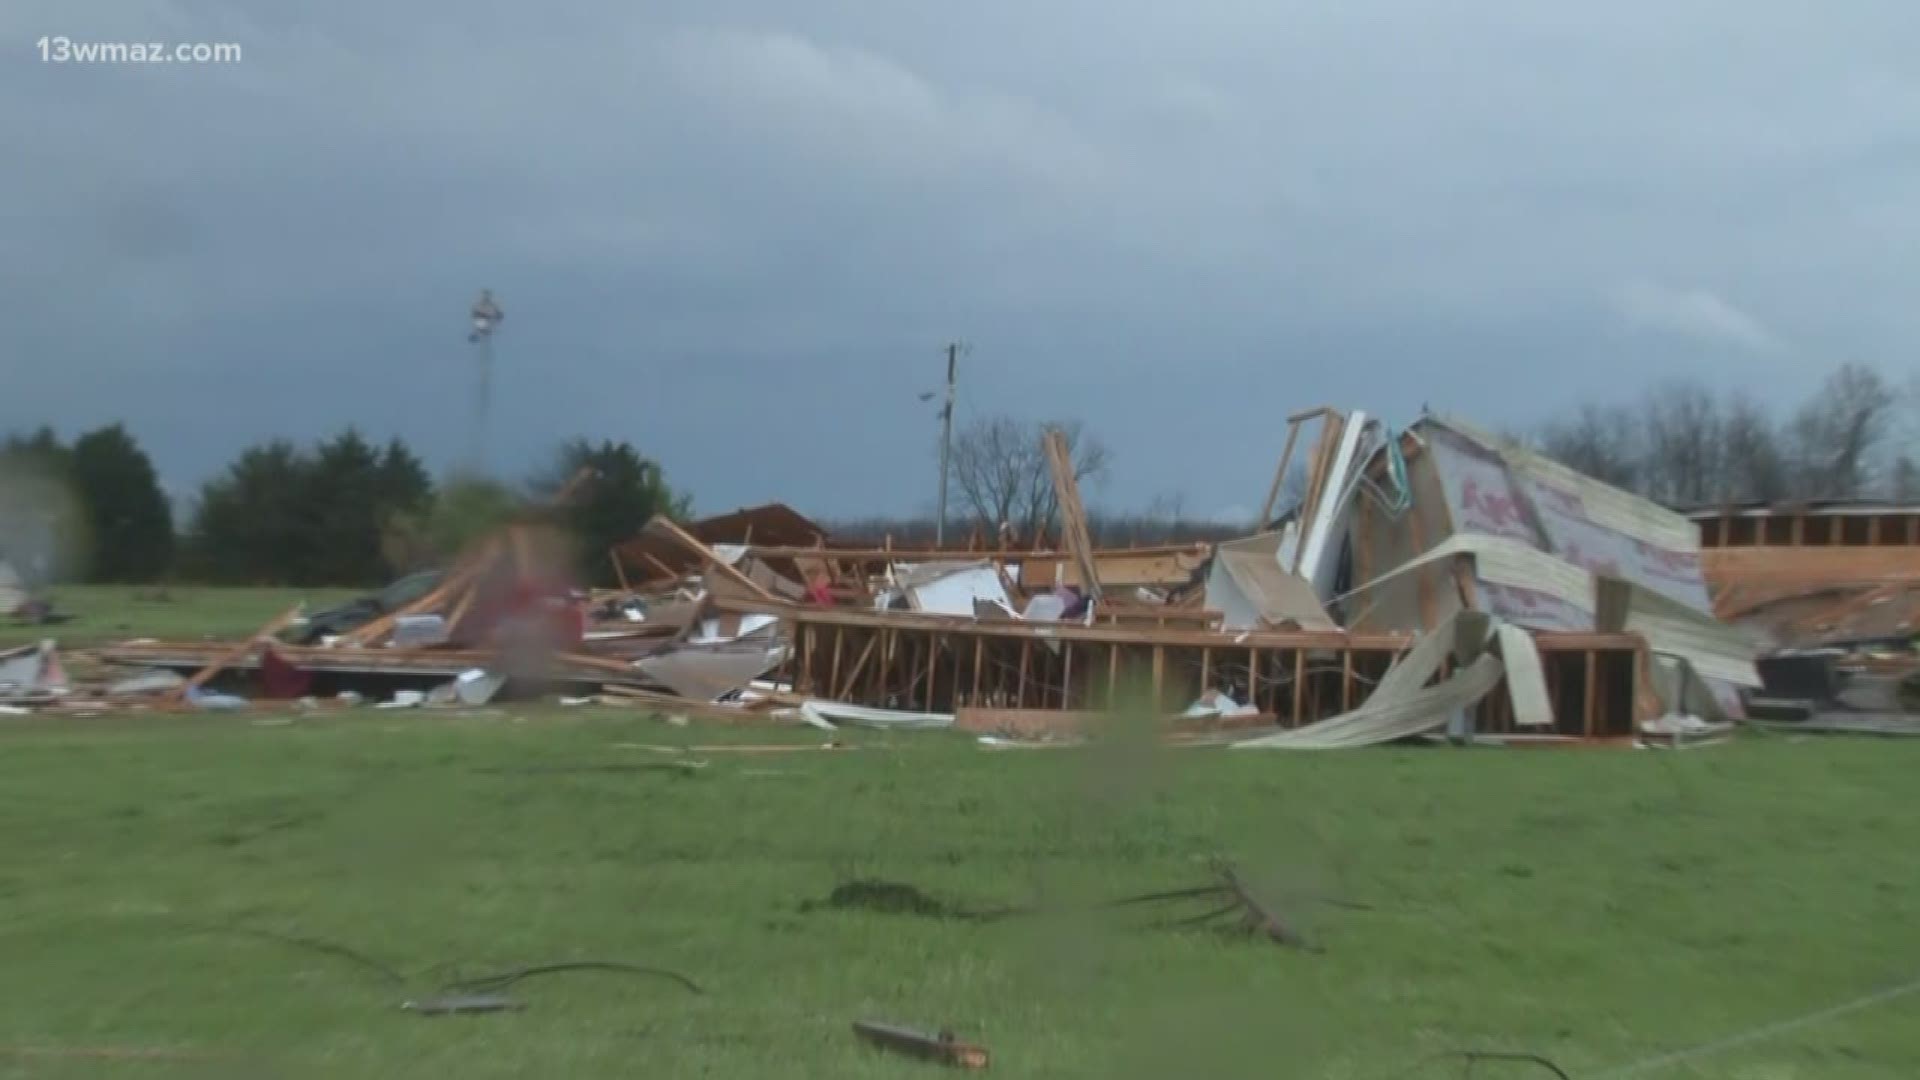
(930, 664)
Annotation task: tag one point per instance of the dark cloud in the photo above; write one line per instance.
(737, 233)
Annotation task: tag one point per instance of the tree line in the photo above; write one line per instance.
(341, 512)
(1683, 445)
(345, 511)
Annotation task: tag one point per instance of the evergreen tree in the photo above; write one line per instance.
(128, 520)
(614, 496)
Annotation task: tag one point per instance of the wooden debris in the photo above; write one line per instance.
(234, 655)
(942, 1047)
(1073, 516)
(457, 1004)
(711, 562)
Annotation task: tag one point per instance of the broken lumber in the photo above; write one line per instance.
(1073, 516)
(942, 1048)
(235, 655)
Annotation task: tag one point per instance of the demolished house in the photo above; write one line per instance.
(1831, 591)
(1434, 580)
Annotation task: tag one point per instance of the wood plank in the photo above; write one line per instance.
(1590, 709)
(1299, 685)
(1073, 516)
(833, 671)
(710, 562)
(1279, 477)
(957, 692)
(1159, 676)
(1066, 675)
(236, 654)
(1423, 578)
(979, 657)
(843, 691)
(464, 573)
(1346, 680)
(1253, 677)
(1020, 688)
(933, 667)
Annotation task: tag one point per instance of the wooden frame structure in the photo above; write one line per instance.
(1789, 527)
(931, 663)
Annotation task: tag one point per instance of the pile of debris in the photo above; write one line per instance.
(1436, 581)
(1831, 591)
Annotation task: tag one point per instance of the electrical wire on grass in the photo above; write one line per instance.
(1665, 1059)
(479, 985)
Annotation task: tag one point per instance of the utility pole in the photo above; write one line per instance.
(486, 318)
(946, 446)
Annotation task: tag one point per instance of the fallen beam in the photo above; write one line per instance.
(942, 1048)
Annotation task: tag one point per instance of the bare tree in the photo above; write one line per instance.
(1683, 459)
(1903, 480)
(1001, 472)
(1835, 435)
(1601, 441)
(1754, 466)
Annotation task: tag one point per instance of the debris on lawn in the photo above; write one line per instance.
(1254, 914)
(1435, 583)
(501, 980)
(32, 675)
(942, 1047)
(1831, 591)
(458, 1004)
(481, 993)
(899, 898)
(1471, 1058)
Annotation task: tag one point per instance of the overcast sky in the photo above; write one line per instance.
(737, 234)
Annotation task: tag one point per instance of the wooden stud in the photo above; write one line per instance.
(1159, 676)
(1299, 684)
(1873, 530)
(1363, 550)
(1422, 579)
(1592, 696)
(1834, 534)
(619, 571)
(833, 673)
(1346, 679)
(1020, 688)
(1253, 677)
(804, 635)
(933, 661)
(1279, 477)
(979, 658)
(665, 570)
(956, 677)
(841, 693)
(1463, 581)
(1206, 668)
(1066, 675)
(235, 654)
(1799, 529)
(1113, 674)
(460, 610)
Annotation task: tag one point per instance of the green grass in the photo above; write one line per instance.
(108, 613)
(1596, 907)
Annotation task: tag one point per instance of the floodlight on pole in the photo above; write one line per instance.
(486, 316)
(946, 444)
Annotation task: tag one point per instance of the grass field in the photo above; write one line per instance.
(1596, 907)
(107, 613)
